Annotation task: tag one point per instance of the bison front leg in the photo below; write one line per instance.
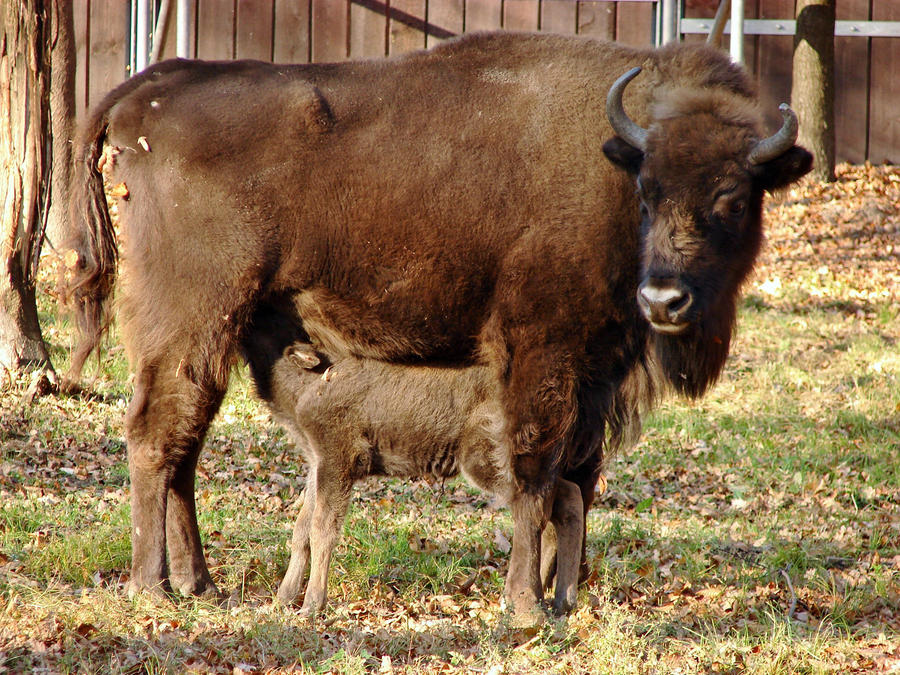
(529, 507)
(540, 405)
(166, 422)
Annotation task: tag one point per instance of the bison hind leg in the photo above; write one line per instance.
(172, 408)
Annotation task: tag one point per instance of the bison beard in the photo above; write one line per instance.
(453, 205)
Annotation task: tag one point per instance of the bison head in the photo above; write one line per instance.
(701, 169)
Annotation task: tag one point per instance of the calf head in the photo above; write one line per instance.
(701, 169)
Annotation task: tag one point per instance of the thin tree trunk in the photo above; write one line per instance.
(24, 149)
(812, 92)
(62, 115)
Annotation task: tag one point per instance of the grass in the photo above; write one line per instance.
(756, 530)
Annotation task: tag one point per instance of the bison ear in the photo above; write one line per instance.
(623, 154)
(784, 169)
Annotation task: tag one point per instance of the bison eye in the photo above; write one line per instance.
(736, 208)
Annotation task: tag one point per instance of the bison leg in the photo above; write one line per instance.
(166, 422)
(568, 522)
(188, 572)
(540, 409)
(523, 584)
(293, 577)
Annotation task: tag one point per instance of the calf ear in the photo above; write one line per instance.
(302, 356)
(624, 155)
(785, 169)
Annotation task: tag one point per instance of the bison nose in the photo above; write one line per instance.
(665, 305)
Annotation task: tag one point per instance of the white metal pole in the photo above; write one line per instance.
(669, 21)
(142, 37)
(183, 45)
(737, 31)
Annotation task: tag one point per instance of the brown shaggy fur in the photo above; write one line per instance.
(449, 206)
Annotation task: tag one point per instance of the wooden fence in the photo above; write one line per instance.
(867, 100)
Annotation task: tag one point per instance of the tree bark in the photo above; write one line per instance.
(24, 182)
(812, 91)
(62, 115)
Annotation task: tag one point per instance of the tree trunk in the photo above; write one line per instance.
(24, 182)
(812, 92)
(62, 116)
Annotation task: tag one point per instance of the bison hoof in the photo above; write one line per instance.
(307, 612)
(287, 594)
(158, 591)
(561, 608)
(198, 588)
(525, 614)
(311, 606)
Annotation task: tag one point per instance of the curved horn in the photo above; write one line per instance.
(779, 143)
(615, 113)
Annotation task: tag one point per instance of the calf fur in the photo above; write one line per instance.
(359, 417)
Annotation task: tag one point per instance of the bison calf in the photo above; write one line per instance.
(355, 418)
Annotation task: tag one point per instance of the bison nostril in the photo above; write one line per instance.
(679, 305)
(664, 304)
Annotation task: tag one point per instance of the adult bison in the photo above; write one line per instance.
(453, 205)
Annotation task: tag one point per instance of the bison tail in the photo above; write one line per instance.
(90, 253)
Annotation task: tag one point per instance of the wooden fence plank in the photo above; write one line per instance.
(700, 9)
(329, 30)
(444, 20)
(253, 29)
(752, 42)
(483, 15)
(597, 19)
(773, 58)
(215, 29)
(884, 125)
(368, 24)
(521, 14)
(406, 26)
(109, 21)
(559, 16)
(634, 23)
(851, 75)
(291, 38)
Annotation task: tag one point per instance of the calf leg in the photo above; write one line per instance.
(333, 489)
(293, 577)
(561, 546)
(567, 518)
(549, 545)
(166, 422)
(587, 477)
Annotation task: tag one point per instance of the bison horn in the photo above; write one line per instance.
(779, 143)
(629, 131)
